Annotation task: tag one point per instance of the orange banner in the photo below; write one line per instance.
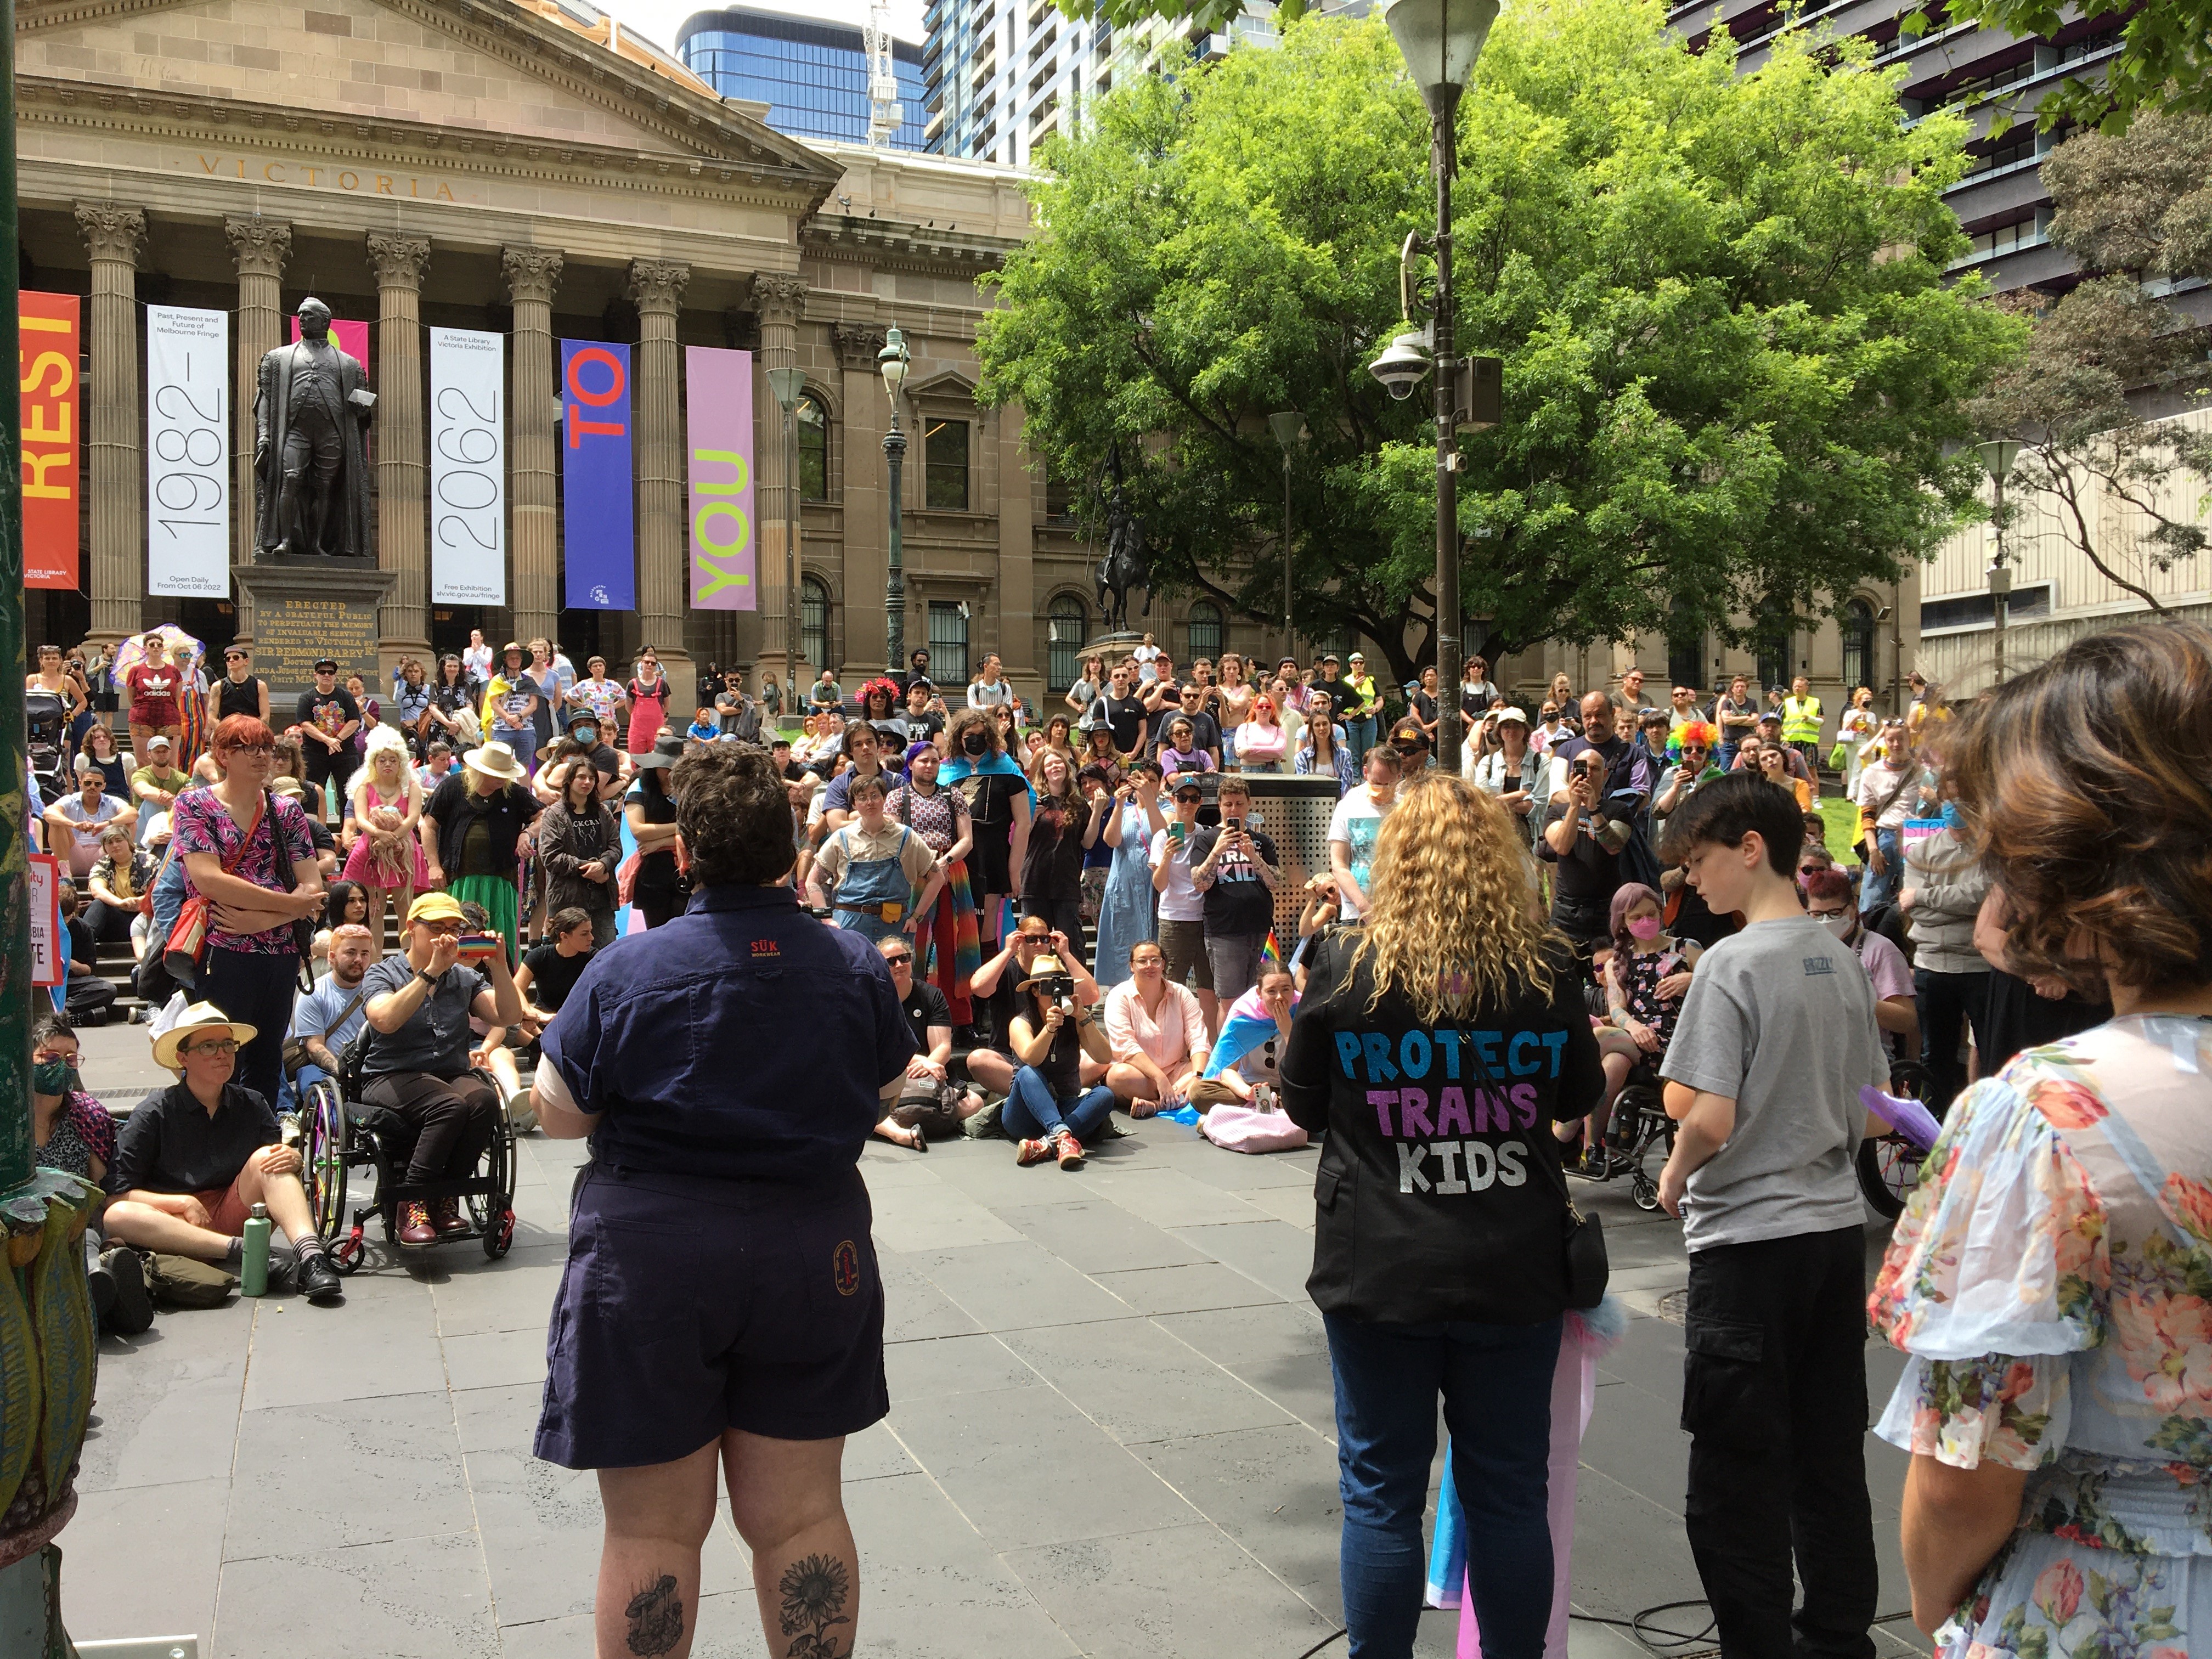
(53, 438)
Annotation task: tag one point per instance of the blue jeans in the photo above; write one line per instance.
(1031, 1112)
(1497, 1386)
(1359, 737)
(296, 1086)
(1880, 888)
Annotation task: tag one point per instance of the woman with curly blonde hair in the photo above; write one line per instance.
(1436, 1045)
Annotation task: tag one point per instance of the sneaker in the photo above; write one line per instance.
(521, 1117)
(415, 1226)
(133, 1309)
(1032, 1151)
(1068, 1150)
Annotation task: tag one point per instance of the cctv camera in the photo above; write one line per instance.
(1403, 367)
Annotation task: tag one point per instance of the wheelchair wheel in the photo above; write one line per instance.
(493, 1214)
(1888, 1171)
(323, 1169)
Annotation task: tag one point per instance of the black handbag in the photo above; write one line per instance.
(1581, 1238)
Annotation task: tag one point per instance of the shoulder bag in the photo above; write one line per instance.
(303, 929)
(187, 941)
(294, 1052)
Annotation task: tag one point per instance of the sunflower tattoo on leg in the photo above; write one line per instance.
(814, 1594)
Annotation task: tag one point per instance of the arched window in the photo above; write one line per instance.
(1774, 669)
(1066, 625)
(814, 622)
(1857, 623)
(1686, 651)
(812, 425)
(1205, 631)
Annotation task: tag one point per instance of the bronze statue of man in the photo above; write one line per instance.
(311, 408)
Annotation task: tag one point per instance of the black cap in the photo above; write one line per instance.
(326, 665)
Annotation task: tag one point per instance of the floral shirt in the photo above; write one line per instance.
(937, 818)
(2051, 1282)
(199, 823)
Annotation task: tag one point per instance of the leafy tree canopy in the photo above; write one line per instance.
(2165, 60)
(1731, 365)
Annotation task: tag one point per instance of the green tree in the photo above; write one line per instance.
(1731, 364)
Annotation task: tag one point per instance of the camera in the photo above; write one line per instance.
(1061, 990)
(1404, 366)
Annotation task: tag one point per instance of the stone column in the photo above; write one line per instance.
(112, 234)
(1016, 597)
(532, 274)
(867, 525)
(779, 300)
(260, 248)
(664, 563)
(402, 462)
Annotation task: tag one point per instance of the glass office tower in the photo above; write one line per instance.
(813, 75)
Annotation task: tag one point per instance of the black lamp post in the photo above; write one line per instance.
(1290, 426)
(893, 361)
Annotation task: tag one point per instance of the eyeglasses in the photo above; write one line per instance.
(453, 925)
(253, 750)
(213, 1045)
(902, 960)
(1818, 915)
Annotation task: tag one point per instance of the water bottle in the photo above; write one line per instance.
(253, 1270)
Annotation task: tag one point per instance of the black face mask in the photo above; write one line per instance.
(975, 744)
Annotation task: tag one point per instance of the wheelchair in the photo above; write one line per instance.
(1888, 1164)
(1640, 1103)
(341, 1134)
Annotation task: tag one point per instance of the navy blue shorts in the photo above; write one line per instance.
(689, 1306)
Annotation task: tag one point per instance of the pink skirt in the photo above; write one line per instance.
(361, 865)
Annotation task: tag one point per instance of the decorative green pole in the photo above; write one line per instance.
(17, 999)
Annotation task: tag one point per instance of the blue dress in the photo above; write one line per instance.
(1125, 915)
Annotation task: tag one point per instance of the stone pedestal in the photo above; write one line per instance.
(294, 610)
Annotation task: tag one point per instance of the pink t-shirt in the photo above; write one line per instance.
(1170, 1039)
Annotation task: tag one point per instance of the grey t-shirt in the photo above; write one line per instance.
(1779, 1018)
(437, 1039)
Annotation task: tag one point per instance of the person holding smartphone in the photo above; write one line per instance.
(1236, 868)
(417, 1061)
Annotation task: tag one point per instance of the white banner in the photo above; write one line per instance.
(187, 452)
(468, 468)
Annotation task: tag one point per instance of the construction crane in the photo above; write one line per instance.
(884, 113)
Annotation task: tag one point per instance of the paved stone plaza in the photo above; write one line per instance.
(1111, 1434)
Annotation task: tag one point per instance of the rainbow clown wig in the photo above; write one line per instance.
(1692, 732)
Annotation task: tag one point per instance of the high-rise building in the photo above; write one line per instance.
(1002, 74)
(1995, 78)
(813, 75)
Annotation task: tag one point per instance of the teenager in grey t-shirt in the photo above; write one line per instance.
(1779, 1018)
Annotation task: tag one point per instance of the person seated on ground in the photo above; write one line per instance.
(1830, 902)
(88, 996)
(1246, 1062)
(1032, 936)
(550, 972)
(327, 1018)
(1156, 1032)
(193, 1160)
(930, 1103)
(419, 1052)
(71, 1131)
(1050, 1113)
(117, 882)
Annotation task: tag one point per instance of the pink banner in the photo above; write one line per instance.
(353, 340)
(718, 407)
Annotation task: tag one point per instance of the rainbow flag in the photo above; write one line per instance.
(1273, 951)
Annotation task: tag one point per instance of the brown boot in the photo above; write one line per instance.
(446, 1216)
(415, 1226)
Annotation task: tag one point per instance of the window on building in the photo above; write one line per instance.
(814, 622)
(945, 454)
(1205, 631)
(948, 644)
(1685, 651)
(1065, 625)
(1859, 658)
(1059, 500)
(812, 425)
(1774, 664)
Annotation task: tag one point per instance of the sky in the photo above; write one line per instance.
(660, 20)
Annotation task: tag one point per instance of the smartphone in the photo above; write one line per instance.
(1176, 832)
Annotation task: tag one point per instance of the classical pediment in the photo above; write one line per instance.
(950, 384)
(483, 71)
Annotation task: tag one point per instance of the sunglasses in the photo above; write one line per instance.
(1188, 794)
(902, 960)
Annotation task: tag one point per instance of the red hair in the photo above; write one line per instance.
(1830, 885)
(240, 732)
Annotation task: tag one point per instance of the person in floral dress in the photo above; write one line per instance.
(2050, 1281)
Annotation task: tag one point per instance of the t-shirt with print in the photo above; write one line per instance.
(600, 696)
(153, 688)
(510, 702)
(1179, 900)
(328, 712)
(1779, 1018)
(1356, 822)
(199, 823)
(1124, 717)
(1239, 904)
(925, 1006)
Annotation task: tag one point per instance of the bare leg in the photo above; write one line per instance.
(500, 1063)
(1134, 1086)
(786, 1499)
(992, 1069)
(155, 1221)
(375, 897)
(286, 1198)
(1210, 1006)
(890, 1131)
(657, 1517)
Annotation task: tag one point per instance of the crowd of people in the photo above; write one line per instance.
(1613, 892)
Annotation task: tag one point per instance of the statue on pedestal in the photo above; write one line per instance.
(1126, 564)
(310, 409)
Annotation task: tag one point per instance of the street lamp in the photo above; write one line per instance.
(1440, 39)
(787, 385)
(1290, 428)
(894, 360)
(1997, 456)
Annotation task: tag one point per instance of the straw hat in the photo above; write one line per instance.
(1045, 966)
(198, 1016)
(496, 760)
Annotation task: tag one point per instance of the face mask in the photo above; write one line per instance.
(974, 743)
(1643, 928)
(51, 1076)
(586, 734)
(1840, 926)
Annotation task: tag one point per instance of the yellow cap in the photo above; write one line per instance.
(435, 907)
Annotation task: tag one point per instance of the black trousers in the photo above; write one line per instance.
(456, 1116)
(1950, 1006)
(1774, 1397)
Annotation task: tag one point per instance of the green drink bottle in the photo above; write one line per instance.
(254, 1272)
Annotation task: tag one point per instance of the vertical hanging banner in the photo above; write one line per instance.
(599, 521)
(468, 468)
(352, 339)
(717, 410)
(187, 452)
(46, 367)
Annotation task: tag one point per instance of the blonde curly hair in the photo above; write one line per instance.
(1451, 917)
